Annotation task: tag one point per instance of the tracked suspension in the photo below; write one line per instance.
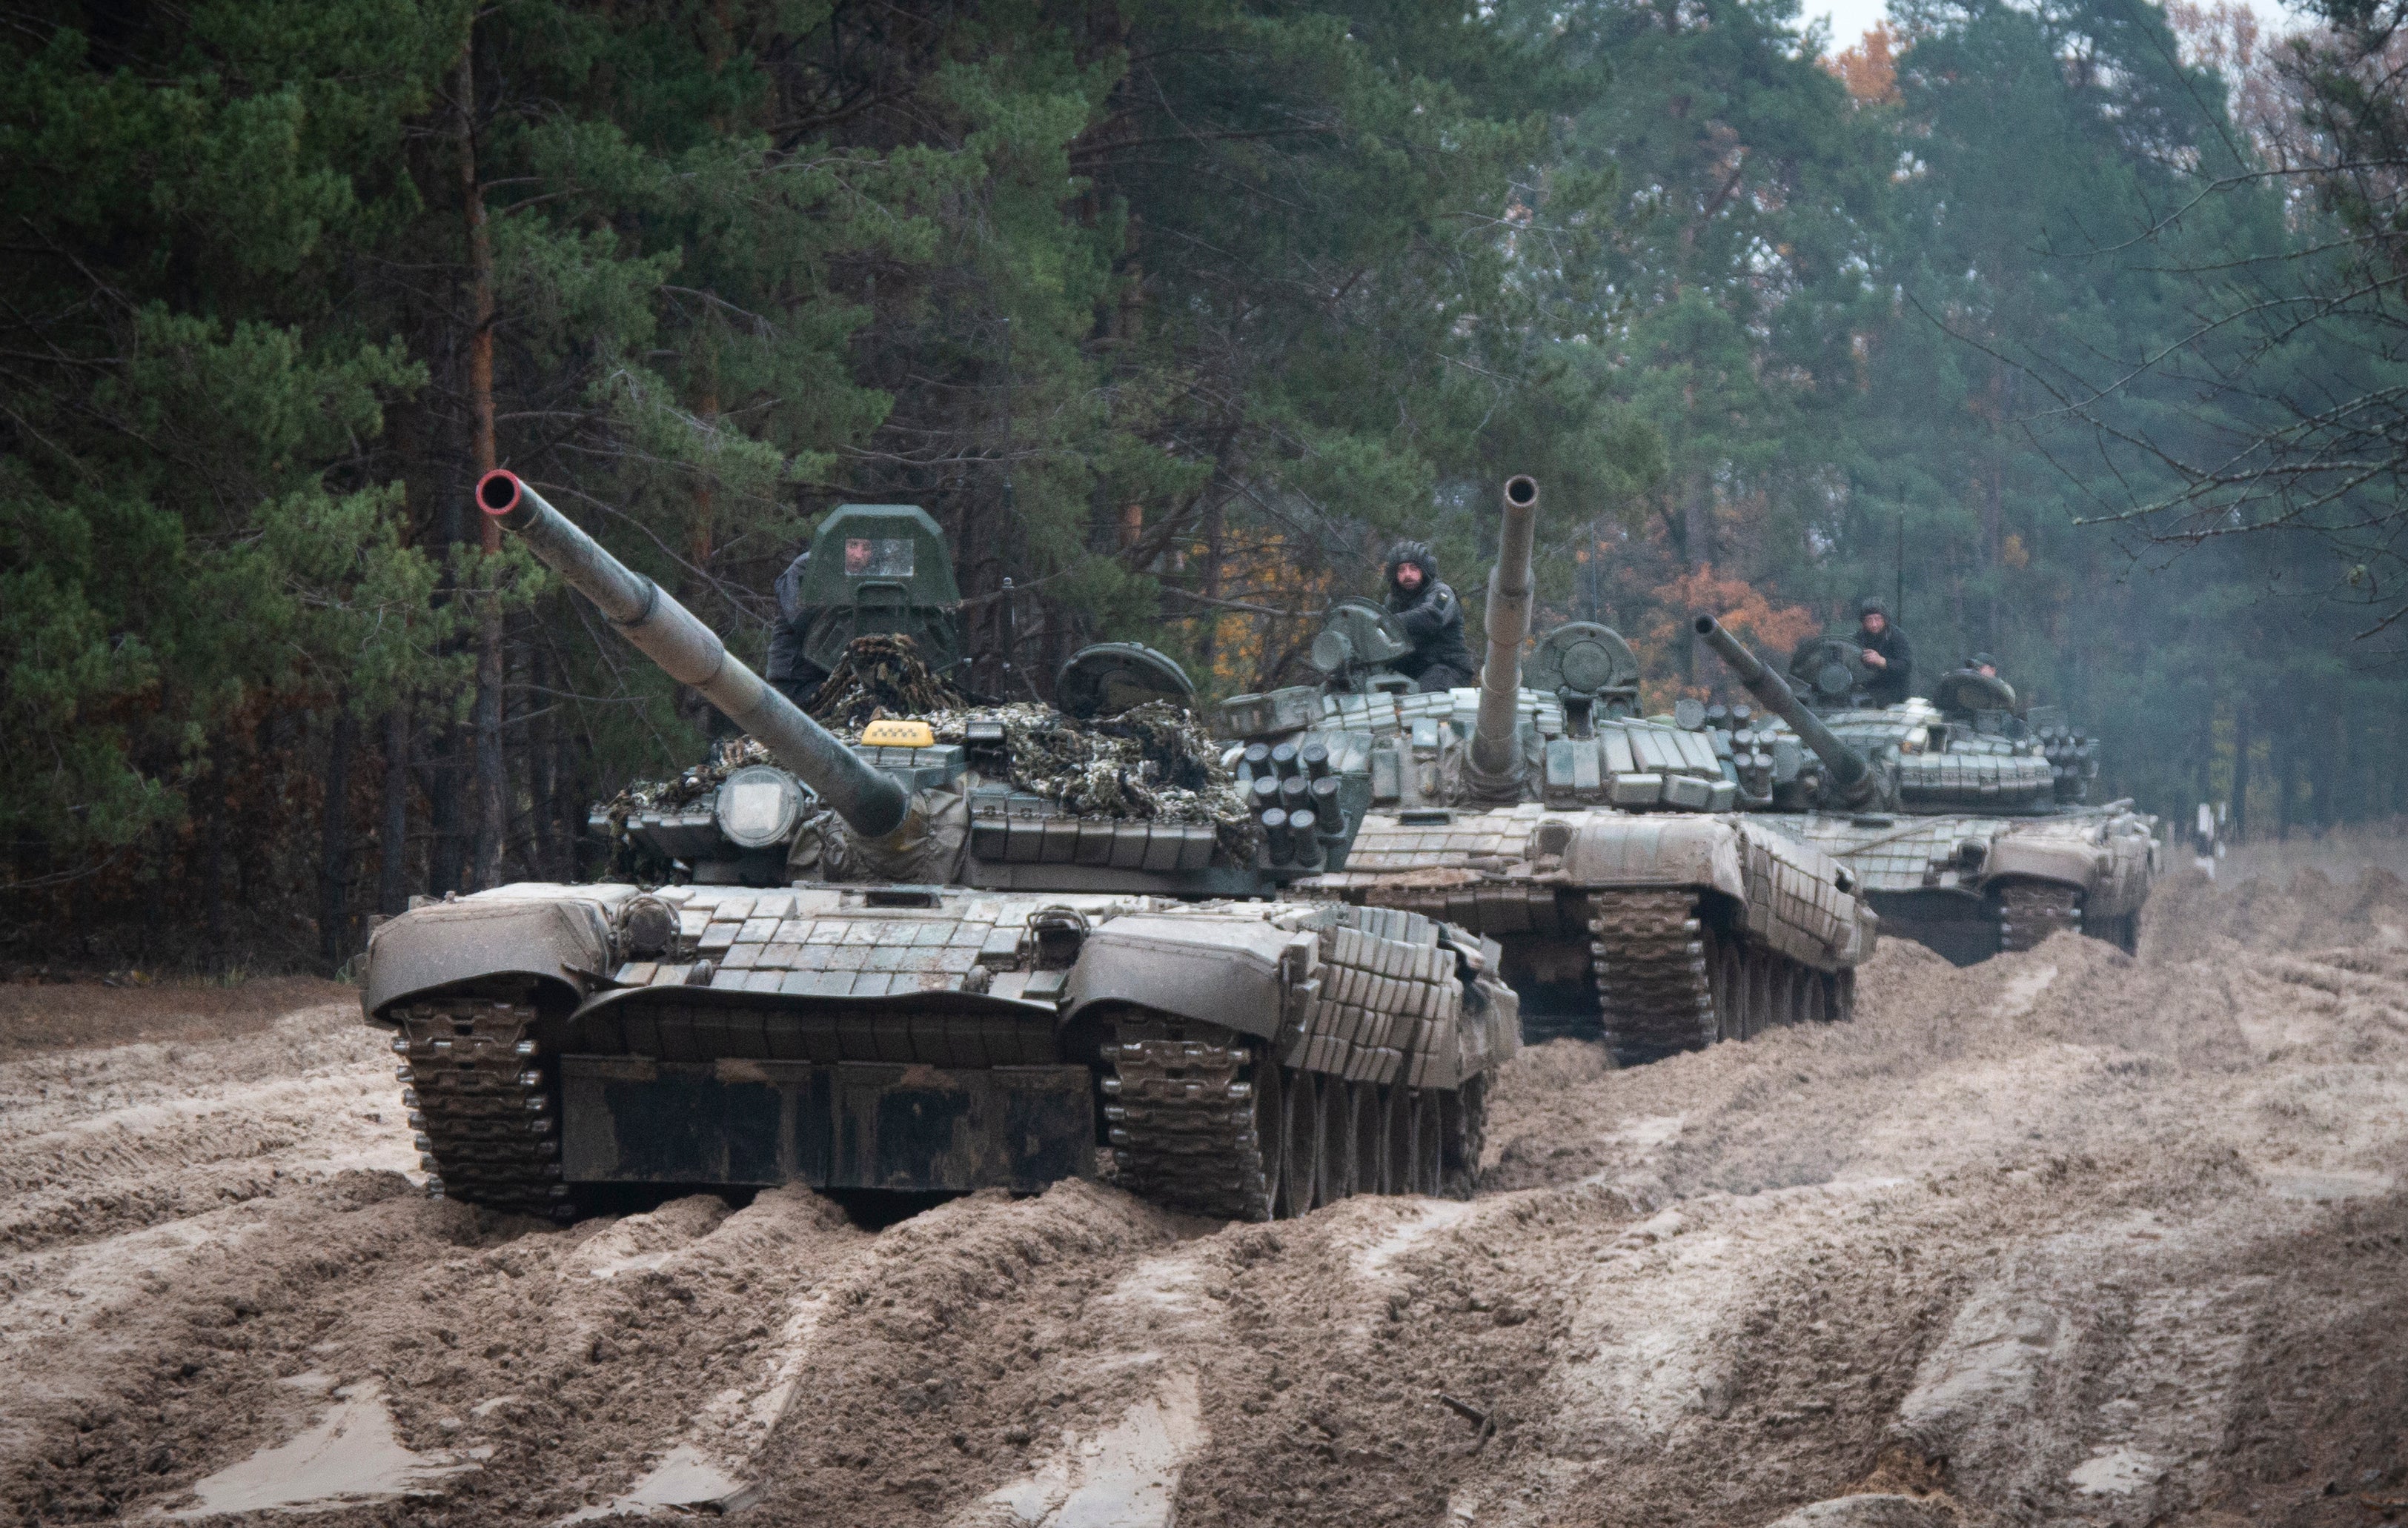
(1201, 1121)
(1668, 981)
(2030, 911)
(481, 1101)
(1648, 950)
(1182, 1118)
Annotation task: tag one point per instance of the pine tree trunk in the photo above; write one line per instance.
(335, 852)
(492, 775)
(392, 875)
(542, 770)
(447, 855)
(213, 859)
(1697, 551)
(1215, 547)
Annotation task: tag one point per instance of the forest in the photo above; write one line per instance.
(2073, 327)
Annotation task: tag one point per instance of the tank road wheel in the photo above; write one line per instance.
(1370, 1146)
(1301, 1179)
(1755, 1004)
(2122, 931)
(1730, 961)
(1648, 954)
(480, 1098)
(1427, 1150)
(1338, 1153)
(1463, 1129)
(1788, 1001)
(1270, 1130)
(1395, 1141)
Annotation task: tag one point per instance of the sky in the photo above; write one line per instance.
(1851, 19)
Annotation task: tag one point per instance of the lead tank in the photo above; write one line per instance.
(1601, 852)
(1967, 821)
(957, 982)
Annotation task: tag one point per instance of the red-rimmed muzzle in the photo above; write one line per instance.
(497, 491)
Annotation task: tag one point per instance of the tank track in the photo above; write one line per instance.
(481, 1102)
(1202, 1123)
(2030, 911)
(1648, 952)
(1183, 1123)
(1667, 981)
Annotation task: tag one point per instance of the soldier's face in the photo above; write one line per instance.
(1875, 624)
(1409, 577)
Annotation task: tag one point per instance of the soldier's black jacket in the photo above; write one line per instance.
(1888, 686)
(1432, 619)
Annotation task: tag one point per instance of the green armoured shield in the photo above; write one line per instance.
(881, 569)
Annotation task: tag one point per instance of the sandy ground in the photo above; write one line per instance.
(2067, 1237)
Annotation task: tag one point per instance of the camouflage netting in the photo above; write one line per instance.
(882, 675)
(1155, 761)
(727, 755)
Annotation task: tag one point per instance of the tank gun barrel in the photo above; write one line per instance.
(672, 637)
(1849, 771)
(1495, 748)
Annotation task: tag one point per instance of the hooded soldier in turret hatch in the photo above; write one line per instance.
(1886, 652)
(793, 675)
(1432, 619)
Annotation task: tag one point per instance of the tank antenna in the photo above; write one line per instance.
(1898, 605)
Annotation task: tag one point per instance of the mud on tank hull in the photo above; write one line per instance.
(1244, 1059)
(1656, 933)
(1970, 887)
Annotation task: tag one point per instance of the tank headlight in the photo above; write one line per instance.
(649, 927)
(758, 805)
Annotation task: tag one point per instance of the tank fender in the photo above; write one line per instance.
(1686, 849)
(1238, 972)
(559, 938)
(2016, 856)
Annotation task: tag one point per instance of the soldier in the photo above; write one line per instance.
(1983, 664)
(1432, 617)
(794, 676)
(1886, 652)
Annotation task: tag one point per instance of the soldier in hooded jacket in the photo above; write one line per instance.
(792, 675)
(1432, 617)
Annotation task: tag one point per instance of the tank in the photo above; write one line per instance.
(955, 980)
(1965, 817)
(1601, 852)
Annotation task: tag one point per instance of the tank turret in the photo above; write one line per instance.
(872, 803)
(1853, 781)
(1497, 752)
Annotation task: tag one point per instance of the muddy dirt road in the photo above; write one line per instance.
(2064, 1238)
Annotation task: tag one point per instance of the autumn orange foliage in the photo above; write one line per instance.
(1870, 70)
(1744, 610)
